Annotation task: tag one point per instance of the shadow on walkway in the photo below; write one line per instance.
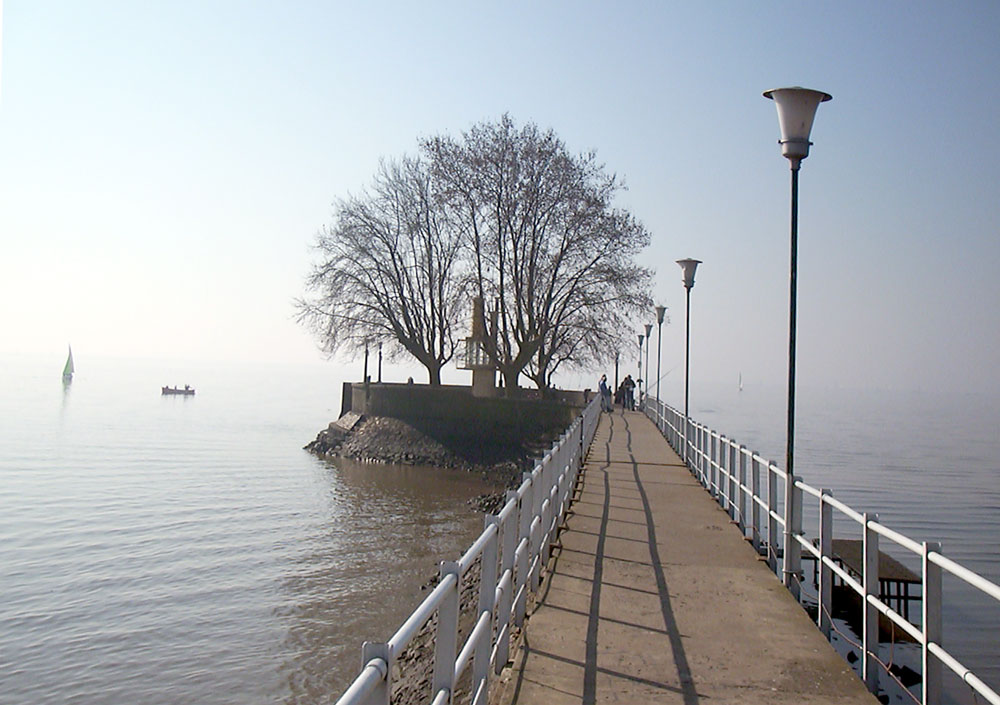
(652, 596)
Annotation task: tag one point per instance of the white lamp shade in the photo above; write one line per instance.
(661, 311)
(796, 112)
(689, 266)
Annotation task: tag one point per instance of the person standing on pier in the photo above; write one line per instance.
(629, 386)
(605, 393)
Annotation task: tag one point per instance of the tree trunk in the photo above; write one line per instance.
(510, 375)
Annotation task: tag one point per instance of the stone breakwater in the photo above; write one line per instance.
(381, 439)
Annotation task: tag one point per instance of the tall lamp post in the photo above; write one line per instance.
(796, 112)
(638, 376)
(661, 312)
(649, 330)
(689, 266)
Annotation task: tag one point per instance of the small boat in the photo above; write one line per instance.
(186, 391)
(68, 370)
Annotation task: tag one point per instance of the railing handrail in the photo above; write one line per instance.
(704, 451)
(512, 550)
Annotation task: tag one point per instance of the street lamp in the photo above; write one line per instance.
(638, 376)
(661, 312)
(796, 112)
(689, 266)
(649, 329)
(380, 362)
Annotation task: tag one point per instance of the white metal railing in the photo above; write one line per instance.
(511, 552)
(732, 474)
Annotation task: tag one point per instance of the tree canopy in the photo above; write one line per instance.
(506, 213)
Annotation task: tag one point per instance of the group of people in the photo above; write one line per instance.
(625, 395)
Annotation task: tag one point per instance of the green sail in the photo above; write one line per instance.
(68, 369)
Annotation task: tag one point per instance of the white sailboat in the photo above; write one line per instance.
(741, 381)
(68, 370)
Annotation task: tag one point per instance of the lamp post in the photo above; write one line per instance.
(661, 312)
(380, 362)
(689, 266)
(649, 330)
(638, 376)
(796, 112)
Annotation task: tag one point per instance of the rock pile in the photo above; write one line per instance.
(387, 440)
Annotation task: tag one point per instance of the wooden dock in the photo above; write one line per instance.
(654, 597)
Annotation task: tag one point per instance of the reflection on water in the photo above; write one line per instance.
(361, 574)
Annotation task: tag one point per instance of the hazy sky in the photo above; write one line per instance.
(165, 166)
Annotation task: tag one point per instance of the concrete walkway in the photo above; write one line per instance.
(655, 597)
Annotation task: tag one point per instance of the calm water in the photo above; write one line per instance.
(171, 550)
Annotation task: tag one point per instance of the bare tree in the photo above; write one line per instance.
(389, 269)
(545, 244)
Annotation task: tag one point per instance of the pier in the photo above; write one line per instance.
(618, 572)
(653, 595)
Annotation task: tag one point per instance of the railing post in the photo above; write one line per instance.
(703, 457)
(548, 512)
(796, 565)
(772, 523)
(446, 641)
(792, 562)
(754, 501)
(741, 493)
(712, 487)
(505, 608)
(869, 613)
(372, 650)
(535, 551)
(523, 560)
(487, 596)
(687, 441)
(825, 607)
(931, 620)
(731, 493)
(537, 491)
